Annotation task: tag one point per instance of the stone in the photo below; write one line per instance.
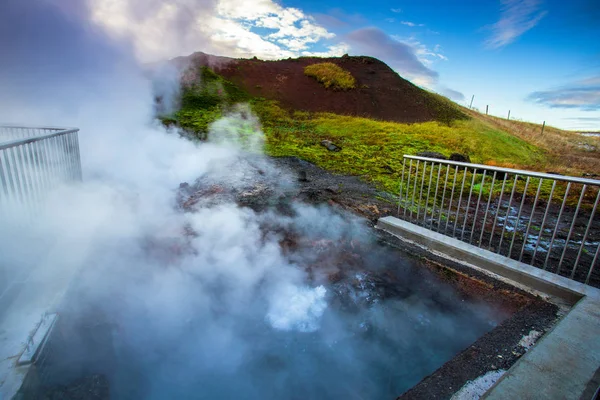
(302, 177)
(459, 158)
(330, 146)
(432, 154)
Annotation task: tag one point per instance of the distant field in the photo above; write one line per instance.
(568, 152)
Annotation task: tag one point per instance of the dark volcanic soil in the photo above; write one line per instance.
(380, 92)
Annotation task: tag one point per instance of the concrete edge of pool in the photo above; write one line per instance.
(564, 362)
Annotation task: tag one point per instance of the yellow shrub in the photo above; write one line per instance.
(331, 76)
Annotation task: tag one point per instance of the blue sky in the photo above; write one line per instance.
(542, 51)
(539, 59)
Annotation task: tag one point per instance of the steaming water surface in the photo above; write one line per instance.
(372, 332)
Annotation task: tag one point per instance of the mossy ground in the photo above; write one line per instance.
(374, 149)
(331, 76)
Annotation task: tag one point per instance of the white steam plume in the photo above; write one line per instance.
(202, 296)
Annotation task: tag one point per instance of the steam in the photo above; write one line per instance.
(302, 310)
(196, 289)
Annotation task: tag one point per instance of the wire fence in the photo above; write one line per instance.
(35, 160)
(545, 220)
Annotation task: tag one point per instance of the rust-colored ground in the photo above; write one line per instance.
(380, 92)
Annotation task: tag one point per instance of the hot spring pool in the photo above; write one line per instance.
(364, 332)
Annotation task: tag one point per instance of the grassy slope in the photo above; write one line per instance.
(371, 149)
(568, 152)
(374, 149)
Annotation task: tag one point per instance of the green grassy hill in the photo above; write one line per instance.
(371, 148)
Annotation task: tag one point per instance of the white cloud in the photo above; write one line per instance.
(517, 17)
(425, 54)
(390, 20)
(336, 50)
(451, 93)
(411, 24)
(582, 95)
(399, 54)
(162, 29)
(396, 10)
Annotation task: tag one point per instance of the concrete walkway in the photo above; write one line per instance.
(561, 364)
(564, 363)
(37, 292)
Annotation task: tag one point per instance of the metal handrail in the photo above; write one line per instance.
(533, 174)
(18, 142)
(511, 221)
(45, 127)
(33, 161)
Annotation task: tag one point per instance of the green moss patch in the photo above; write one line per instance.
(331, 76)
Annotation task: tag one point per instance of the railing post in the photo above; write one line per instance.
(401, 185)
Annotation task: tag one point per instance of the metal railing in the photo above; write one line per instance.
(35, 160)
(545, 220)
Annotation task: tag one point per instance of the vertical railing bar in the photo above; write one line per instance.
(71, 154)
(37, 169)
(4, 194)
(437, 185)
(428, 193)
(512, 194)
(66, 149)
(414, 190)
(512, 242)
(28, 189)
(451, 199)
(462, 236)
(63, 153)
(562, 257)
(557, 224)
(22, 174)
(77, 156)
(587, 279)
(35, 190)
(3, 177)
(60, 156)
(543, 222)
(443, 197)
(477, 207)
(421, 191)
(40, 165)
(407, 186)
(57, 161)
(585, 235)
(462, 188)
(10, 175)
(17, 178)
(498, 209)
(74, 156)
(47, 162)
(401, 185)
(535, 202)
(487, 208)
